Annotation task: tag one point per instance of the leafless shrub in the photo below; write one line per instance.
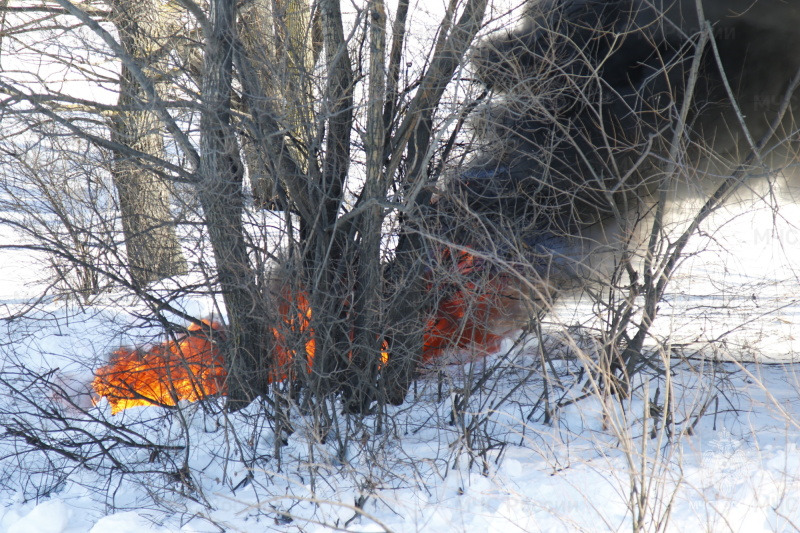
(356, 221)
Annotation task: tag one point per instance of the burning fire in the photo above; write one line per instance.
(188, 368)
(299, 323)
(471, 315)
(476, 316)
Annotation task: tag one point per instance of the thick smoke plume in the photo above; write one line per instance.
(600, 109)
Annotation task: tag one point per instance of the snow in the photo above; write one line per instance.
(545, 482)
(500, 467)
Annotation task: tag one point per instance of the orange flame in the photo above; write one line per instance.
(299, 323)
(189, 368)
(474, 317)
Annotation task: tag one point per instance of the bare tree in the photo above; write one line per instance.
(279, 99)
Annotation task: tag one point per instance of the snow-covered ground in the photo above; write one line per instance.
(727, 460)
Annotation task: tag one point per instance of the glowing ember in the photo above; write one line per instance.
(475, 316)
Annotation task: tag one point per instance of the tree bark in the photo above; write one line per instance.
(368, 295)
(257, 32)
(220, 182)
(329, 257)
(279, 39)
(153, 249)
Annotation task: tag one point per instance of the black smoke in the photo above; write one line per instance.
(586, 97)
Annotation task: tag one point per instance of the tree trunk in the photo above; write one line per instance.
(153, 249)
(257, 32)
(279, 39)
(248, 358)
(409, 294)
(369, 291)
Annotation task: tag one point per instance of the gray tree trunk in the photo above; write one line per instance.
(144, 197)
(278, 38)
(221, 173)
